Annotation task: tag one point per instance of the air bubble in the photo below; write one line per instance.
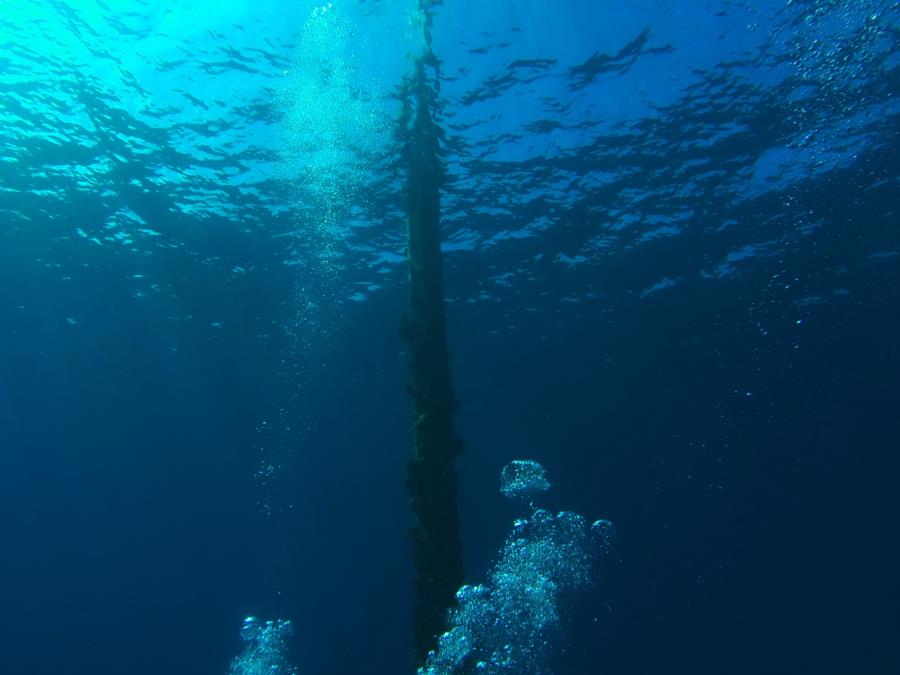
(523, 478)
(508, 624)
(266, 649)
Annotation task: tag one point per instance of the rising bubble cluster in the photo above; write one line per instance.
(266, 648)
(508, 624)
(523, 478)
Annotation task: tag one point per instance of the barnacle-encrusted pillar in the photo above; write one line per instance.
(431, 480)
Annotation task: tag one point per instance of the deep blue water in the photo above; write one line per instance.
(671, 259)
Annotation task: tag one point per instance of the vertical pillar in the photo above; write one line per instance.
(432, 479)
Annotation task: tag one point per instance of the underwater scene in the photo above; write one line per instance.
(445, 337)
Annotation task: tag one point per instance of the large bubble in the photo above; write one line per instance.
(523, 478)
(508, 624)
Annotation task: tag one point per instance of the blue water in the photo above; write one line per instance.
(671, 262)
